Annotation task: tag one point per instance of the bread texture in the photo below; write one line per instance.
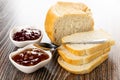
(78, 60)
(85, 68)
(65, 18)
(83, 49)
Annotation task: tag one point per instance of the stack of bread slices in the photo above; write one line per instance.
(83, 58)
(73, 22)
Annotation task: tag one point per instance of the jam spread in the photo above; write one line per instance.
(30, 57)
(27, 34)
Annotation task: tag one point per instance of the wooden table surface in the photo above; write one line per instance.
(32, 12)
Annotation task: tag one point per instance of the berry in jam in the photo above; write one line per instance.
(30, 57)
(27, 34)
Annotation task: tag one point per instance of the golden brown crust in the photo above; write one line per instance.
(49, 24)
(69, 60)
(82, 59)
(76, 5)
(88, 51)
(84, 69)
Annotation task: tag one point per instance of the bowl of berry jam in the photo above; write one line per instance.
(24, 35)
(30, 58)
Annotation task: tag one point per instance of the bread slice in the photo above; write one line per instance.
(83, 69)
(78, 60)
(82, 49)
(65, 18)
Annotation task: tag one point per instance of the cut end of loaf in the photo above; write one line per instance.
(69, 24)
(65, 18)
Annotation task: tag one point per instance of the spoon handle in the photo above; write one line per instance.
(88, 42)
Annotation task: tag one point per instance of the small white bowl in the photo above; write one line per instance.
(29, 69)
(23, 43)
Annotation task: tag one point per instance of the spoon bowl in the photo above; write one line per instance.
(48, 45)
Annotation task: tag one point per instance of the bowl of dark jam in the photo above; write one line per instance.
(30, 58)
(24, 35)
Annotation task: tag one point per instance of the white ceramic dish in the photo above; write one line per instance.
(23, 43)
(29, 69)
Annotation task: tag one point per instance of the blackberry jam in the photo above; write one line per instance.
(30, 57)
(27, 34)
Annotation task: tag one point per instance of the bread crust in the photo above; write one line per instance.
(77, 5)
(81, 69)
(88, 51)
(49, 24)
(78, 60)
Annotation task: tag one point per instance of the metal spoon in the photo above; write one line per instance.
(48, 45)
(52, 46)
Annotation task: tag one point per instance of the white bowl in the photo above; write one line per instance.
(23, 43)
(29, 69)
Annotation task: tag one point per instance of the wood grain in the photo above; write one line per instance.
(109, 70)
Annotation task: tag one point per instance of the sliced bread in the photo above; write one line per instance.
(78, 60)
(82, 69)
(65, 18)
(82, 49)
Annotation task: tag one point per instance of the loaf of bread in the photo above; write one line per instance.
(83, 69)
(83, 49)
(78, 60)
(73, 22)
(65, 18)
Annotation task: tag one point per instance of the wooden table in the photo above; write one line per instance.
(22, 12)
